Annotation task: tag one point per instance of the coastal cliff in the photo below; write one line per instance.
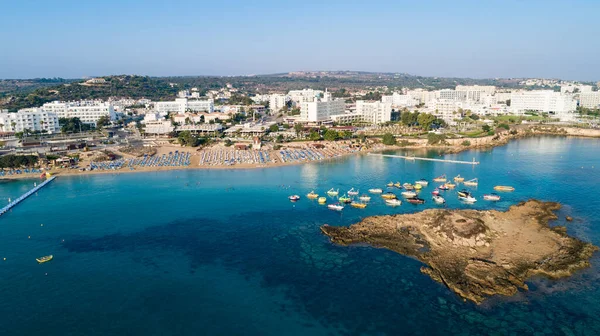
(475, 253)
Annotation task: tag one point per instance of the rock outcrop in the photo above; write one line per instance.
(475, 253)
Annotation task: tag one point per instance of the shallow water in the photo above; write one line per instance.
(224, 252)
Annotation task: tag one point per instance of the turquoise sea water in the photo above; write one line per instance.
(225, 253)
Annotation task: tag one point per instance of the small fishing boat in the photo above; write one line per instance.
(408, 186)
(415, 200)
(389, 195)
(451, 185)
(352, 192)
(491, 197)
(322, 200)
(438, 199)
(422, 182)
(467, 199)
(332, 192)
(463, 193)
(435, 191)
(393, 202)
(418, 187)
(409, 193)
(359, 205)
(294, 198)
(376, 191)
(335, 206)
(391, 184)
(345, 199)
(443, 187)
(440, 178)
(398, 185)
(365, 198)
(504, 188)
(458, 178)
(472, 183)
(44, 259)
(312, 195)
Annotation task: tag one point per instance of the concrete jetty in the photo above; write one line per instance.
(426, 159)
(25, 195)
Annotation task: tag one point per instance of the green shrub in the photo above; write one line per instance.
(434, 139)
(389, 139)
(466, 143)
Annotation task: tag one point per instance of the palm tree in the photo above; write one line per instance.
(13, 124)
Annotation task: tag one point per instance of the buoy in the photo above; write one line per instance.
(41, 224)
(28, 237)
(4, 258)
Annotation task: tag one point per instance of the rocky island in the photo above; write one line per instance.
(476, 253)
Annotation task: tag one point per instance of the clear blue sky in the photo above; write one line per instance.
(484, 38)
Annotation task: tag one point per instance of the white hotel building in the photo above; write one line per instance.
(561, 105)
(182, 105)
(321, 110)
(589, 99)
(87, 111)
(375, 112)
(33, 119)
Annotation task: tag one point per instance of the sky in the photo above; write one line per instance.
(477, 39)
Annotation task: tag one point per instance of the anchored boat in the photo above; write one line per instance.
(393, 202)
(440, 178)
(44, 259)
(365, 198)
(352, 192)
(391, 184)
(504, 188)
(409, 194)
(312, 195)
(438, 199)
(467, 199)
(322, 200)
(458, 178)
(294, 198)
(472, 183)
(398, 185)
(376, 191)
(491, 197)
(408, 186)
(345, 199)
(415, 200)
(332, 192)
(463, 193)
(358, 205)
(422, 182)
(389, 195)
(336, 207)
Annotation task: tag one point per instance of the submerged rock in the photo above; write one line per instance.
(476, 253)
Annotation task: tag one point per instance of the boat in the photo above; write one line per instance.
(312, 195)
(44, 259)
(345, 199)
(436, 191)
(294, 198)
(389, 195)
(352, 192)
(408, 186)
(418, 187)
(335, 206)
(463, 193)
(365, 198)
(393, 202)
(322, 200)
(376, 191)
(332, 192)
(451, 185)
(458, 178)
(438, 199)
(391, 184)
(504, 188)
(359, 205)
(398, 185)
(409, 194)
(472, 183)
(440, 178)
(422, 182)
(415, 200)
(491, 197)
(467, 199)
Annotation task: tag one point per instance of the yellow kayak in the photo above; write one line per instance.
(44, 259)
(504, 188)
(358, 205)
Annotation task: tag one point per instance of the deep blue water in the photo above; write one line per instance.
(225, 253)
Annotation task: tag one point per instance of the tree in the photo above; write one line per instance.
(298, 128)
(279, 138)
(186, 138)
(362, 137)
(274, 128)
(425, 120)
(389, 139)
(434, 139)
(331, 135)
(486, 128)
(102, 121)
(314, 136)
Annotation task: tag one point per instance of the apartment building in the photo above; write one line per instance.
(374, 112)
(562, 105)
(182, 105)
(87, 111)
(590, 99)
(32, 119)
(278, 101)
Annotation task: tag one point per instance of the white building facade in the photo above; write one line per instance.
(32, 119)
(87, 111)
(375, 112)
(562, 105)
(589, 99)
(182, 105)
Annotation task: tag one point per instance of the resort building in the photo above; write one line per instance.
(562, 105)
(321, 109)
(88, 111)
(277, 102)
(207, 129)
(305, 96)
(32, 119)
(399, 100)
(249, 129)
(182, 105)
(475, 93)
(159, 127)
(374, 112)
(590, 99)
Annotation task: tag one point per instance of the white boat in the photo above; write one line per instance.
(365, 198)
(472, 183)
(332, 192)
(352, 192)
(336, 207)
(409, 194)
(467, 199)
(376, 191)
(393, 202)
(438, 199)
(294, 198)
(491, 197)
(422, 182)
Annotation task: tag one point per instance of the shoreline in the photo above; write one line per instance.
(452, 146)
